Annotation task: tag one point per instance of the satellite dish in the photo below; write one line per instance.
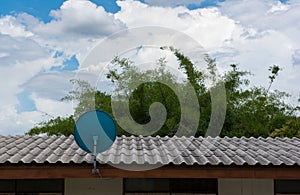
(93, 125)
(94, 132)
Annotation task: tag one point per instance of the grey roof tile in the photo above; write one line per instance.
(154, 150)
(202, 160)
(35, 151)
(15, 158)
(65, 158)
(3, 150)
(53, 158)
(12, 151)
(24, 151)
(26, 158)
(287, 161)
(250, 161)
(238, 160)
(76, 158)
(262, 160)
(4, 158)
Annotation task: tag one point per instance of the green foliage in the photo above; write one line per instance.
(251, 111)
(255, 114)
(274, 73)
(83, 94)
(290, 129)
(254, 111)
(126, 76)
(57, 126)
(195, 77)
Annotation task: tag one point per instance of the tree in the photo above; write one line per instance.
(57, 126)
(251, 111)
(254, 111)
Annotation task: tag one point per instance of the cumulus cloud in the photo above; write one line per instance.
(76, 27)
(82, 18)
(24, 58)
(263, 14)
(50, 85)
(51, 107)
(17, 123)
(207, 25)
(279, 7)
(172, 3)
(18, 50)
(9, 25)
(273, 40)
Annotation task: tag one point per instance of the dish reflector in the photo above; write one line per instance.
(94, 126)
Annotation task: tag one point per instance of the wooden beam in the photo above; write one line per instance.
(39, 171)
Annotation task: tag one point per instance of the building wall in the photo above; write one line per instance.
(245, 187)
(114, 186)
(93, 186)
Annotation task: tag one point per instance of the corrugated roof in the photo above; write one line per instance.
(154, 150)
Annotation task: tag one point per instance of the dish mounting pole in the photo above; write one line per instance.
(95, 170)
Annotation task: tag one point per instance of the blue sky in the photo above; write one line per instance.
(43, 45)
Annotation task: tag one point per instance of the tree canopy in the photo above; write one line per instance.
(251, 111)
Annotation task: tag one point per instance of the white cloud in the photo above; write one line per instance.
(279, 7)
(172, 3)
(18, 50)
(207, 25)
(81, 18)
(263, 14)
(50, 85)
(9, 25)
(52, 107)
(17, 123)
(273, 40)
(24, 58)
(76, 27)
